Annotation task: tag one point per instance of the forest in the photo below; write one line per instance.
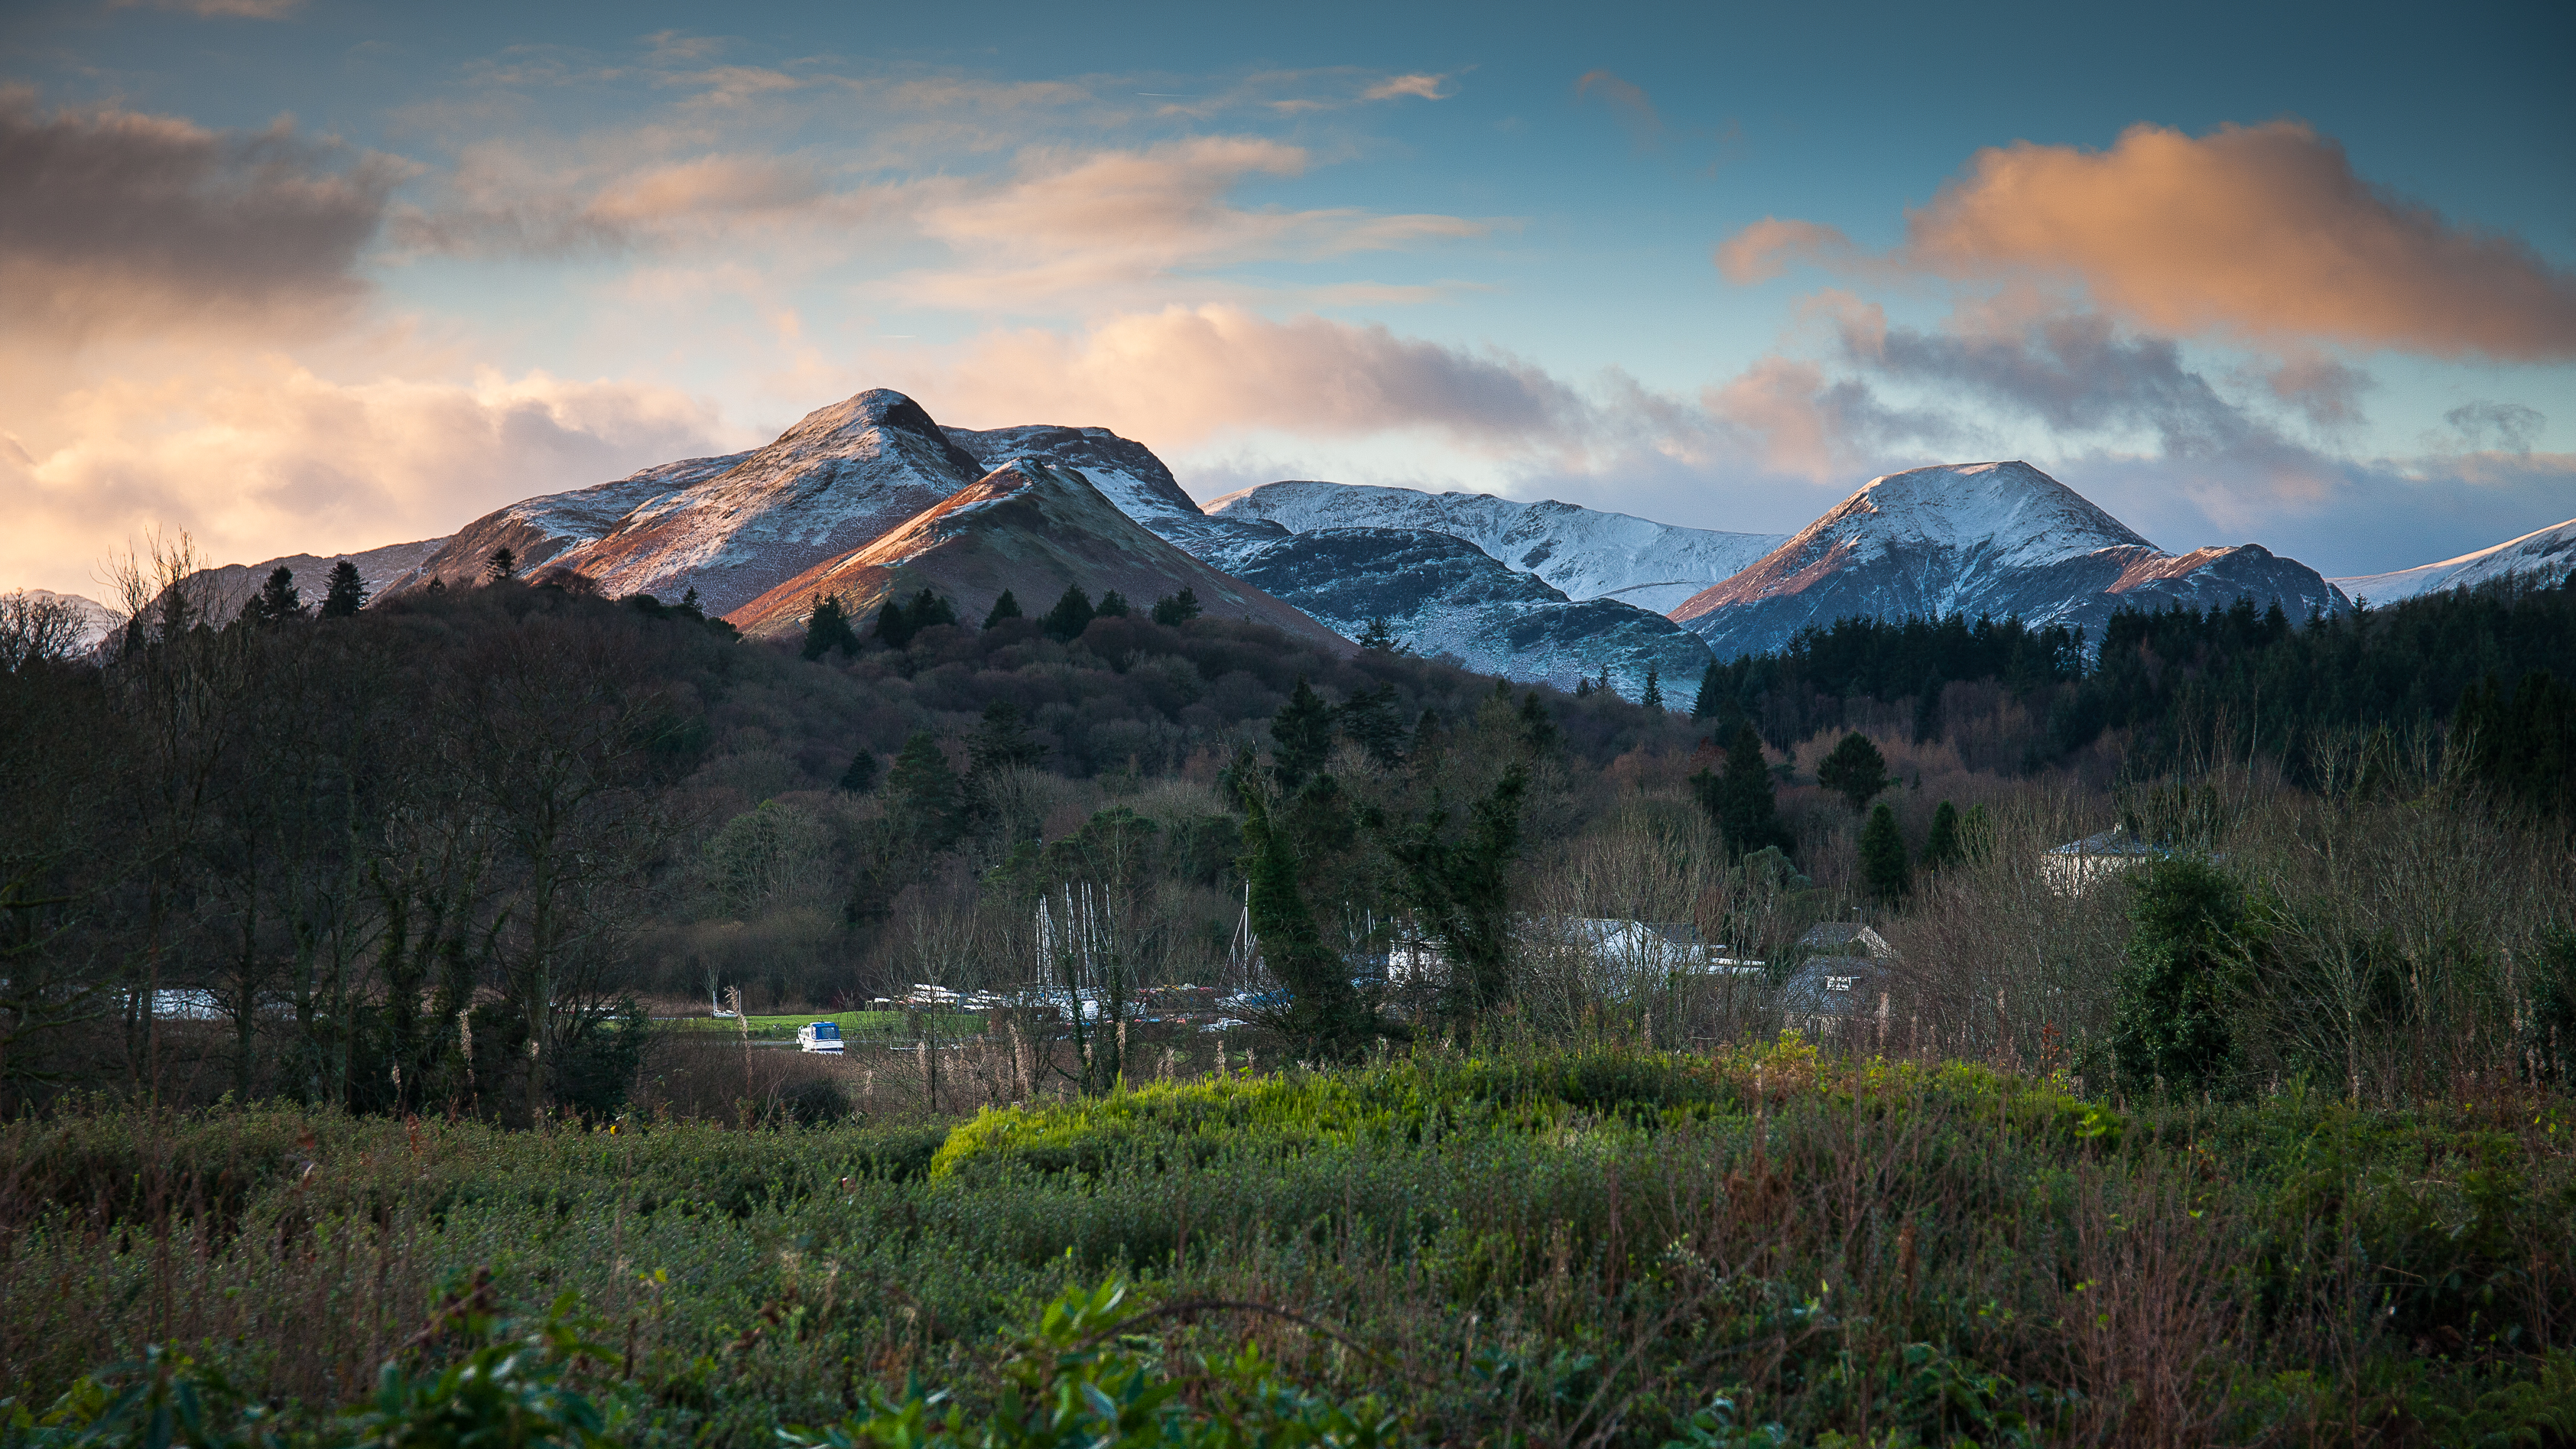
(359, 951)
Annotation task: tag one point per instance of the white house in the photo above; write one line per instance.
(2079, 865)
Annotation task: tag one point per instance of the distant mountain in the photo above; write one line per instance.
(221, 592)
(1980, 538)
(95, 621)
(2545, 555)
(737, 526)
(1442, 595)
(1032, 527)
(1582, 552)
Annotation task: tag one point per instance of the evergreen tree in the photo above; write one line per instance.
(1538, 727)
(1071, 615)
(2171, 1012)
(1882, 856)
(1003, 740)
(1369, 718)
(929, 611)
(279, 599)
(861, 777)
(1460, 889)
(689, 602)
(1854, 769)
(1941, 843)
(2521, 743)
(500, 567)
(1711, 691)
(1113, 605)
(1583, 686)
(1653, 698)
(345, 594)
(827, 628)
(925, 804)
(1426, 734)
(1380, 635)
(1301, 737)
(1741, 801)
(1174, 610)
(1005, 607)
(1324, 1014)
(894, 624)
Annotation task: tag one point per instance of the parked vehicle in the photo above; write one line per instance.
(819, 1036)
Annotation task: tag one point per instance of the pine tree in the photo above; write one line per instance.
(279, 599)
(894, 624)
(1705, 703)
(1324, 1014)
(928, 611)
(1882, 856)
(689, 602)
(1071, 615)
(1653, 698)
(925, 804)
(1005, 607)
(1741, 801)
(1369, 718)
(346, 593)
(1301, 737)
(1854, 769)
(1538, 727)
(1113, 605)
(1003, 740)
(1941, 843)
(1460, 889)
(827, 628)
(1176, 609)
(861, 777)
(500, 567)
(1379, 635)
(1583, 686)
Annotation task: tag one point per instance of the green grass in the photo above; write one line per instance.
(1544, 1247)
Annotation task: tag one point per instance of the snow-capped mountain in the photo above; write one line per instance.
(2545, 556)
(1442, 595)
(1583, 553)
(735, 527)
(92, 620)
(1980, 538)
(1035, 528)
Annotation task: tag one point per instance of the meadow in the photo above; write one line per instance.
(1452, 1244)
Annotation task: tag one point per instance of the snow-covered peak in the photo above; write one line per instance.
(1126, 472)
(1583, 552)
(2544, 556)
(2011, 510)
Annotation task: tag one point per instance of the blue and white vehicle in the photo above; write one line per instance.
(819, 1036)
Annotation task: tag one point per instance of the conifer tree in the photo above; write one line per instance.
(689, 602)
(345, 594)
(1460, 889)
(1301, 736)
(1071, 615)
(1583, 686)
(1324, 1014)
(1705, 703)
(1882, 856)
(1538, 727)
(1741, 801)
(894, 624)
(279, 599)
(925, 804)
(1854, 769)
(1941, 843)
(928, 610)
(501, 566)
(861, 777)
(1379, 635)
(1369, 718)
(1174, 610)
(827, 628)
(1003, 740)
(1653, 698)
(1113, 605)
(1005, 607)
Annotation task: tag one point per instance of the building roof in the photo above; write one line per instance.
(1834, 986)
(2113, 841)
(1836, 935)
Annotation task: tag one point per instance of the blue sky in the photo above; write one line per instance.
(315, 277)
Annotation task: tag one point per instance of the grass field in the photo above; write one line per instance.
(1610, 1247)
(856, 1026)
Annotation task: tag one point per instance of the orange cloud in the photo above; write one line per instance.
(2262, 232)
(1627, 98)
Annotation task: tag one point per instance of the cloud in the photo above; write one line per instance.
(264, 457)
(2496, 427)
(2262, 233)
(115, 221)
(1069, 223)
(1426, 87)
(1627, 100)
(218, 9)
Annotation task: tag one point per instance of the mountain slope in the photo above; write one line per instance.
(222, 591)
(1582, 552)
(1441, 594)
(1034, 528)
(1982, 538)
(735, 527)
(2544, 555)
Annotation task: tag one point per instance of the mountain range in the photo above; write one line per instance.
(871, 498)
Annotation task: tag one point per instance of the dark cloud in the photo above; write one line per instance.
(2497, 427)
(112, 220)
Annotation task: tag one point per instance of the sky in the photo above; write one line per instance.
(307, 276)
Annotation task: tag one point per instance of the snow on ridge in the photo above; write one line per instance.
(2011, 512)
(2545, 552)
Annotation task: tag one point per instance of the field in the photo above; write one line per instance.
(1601, 1246)
(889, 1027)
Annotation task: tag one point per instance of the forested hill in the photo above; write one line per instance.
(2236, 678)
